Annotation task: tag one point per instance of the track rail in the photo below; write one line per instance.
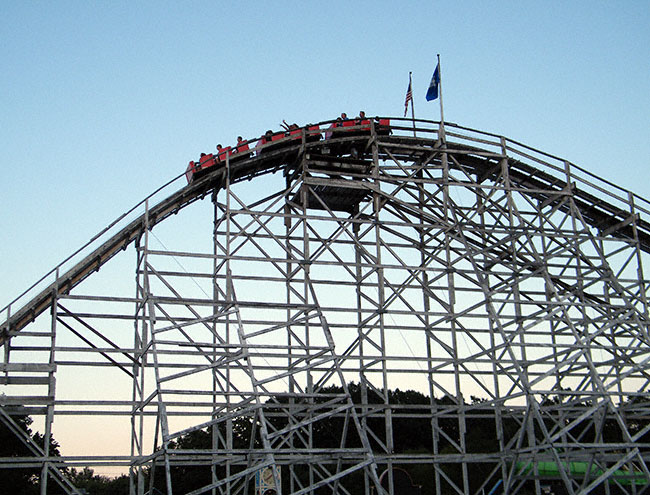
(606, 207)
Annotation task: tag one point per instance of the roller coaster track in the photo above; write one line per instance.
(605, 207)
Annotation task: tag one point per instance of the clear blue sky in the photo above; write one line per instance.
(101, 102)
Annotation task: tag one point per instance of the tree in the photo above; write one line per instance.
(23, 481)
(99, 485)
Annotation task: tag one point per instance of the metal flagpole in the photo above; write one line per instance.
(412, 104)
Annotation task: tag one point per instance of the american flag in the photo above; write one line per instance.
(409, 98)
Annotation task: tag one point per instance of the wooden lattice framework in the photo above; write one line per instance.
(482, 273)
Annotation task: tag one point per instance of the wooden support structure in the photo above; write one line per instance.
(504, 285)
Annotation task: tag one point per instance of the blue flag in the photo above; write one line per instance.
(432, 92)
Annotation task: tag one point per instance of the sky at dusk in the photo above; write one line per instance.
(102, 102)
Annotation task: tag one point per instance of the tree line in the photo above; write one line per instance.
(412, 433)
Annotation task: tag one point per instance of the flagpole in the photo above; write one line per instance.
(412, 104)
(442, 114)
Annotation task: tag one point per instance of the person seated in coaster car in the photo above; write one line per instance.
(241, 151)
(223, 153)
(270, 141)
(335, 127)
(346, 128)
(363, 122)
(206, 161)
(195, 170)
(312, 132)
(382, 126)
(358, 126)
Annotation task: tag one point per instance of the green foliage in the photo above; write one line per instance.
(23, 481)
(413, 418)
(99, 485)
